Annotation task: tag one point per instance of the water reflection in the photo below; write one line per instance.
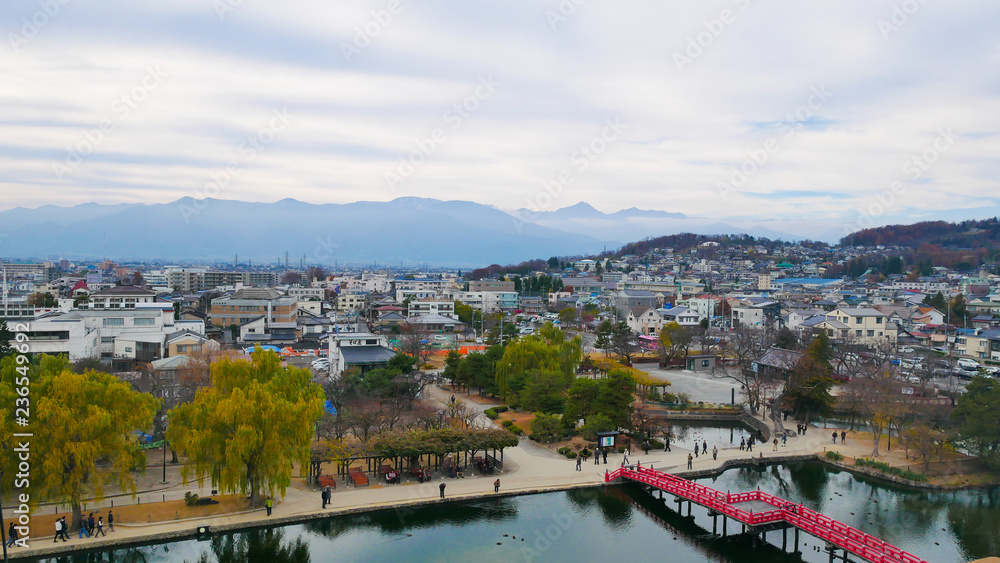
(258, 545)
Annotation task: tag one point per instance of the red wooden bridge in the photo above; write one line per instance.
(761, 511)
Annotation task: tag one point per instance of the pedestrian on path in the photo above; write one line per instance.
(645, 447)
(496, 486)
(269, 504)
(784, 439)
(667, 444)
(843, 437)
(695, 450)
(604, 454)
(690, 460)
(579, 463)
(743, 444)
(11, 535)
(58, 531)
(83, 530)
(704, 446)
(834, 436)
(100, 527)
(715, 453)
(597, 457)
(326, 496)
(441, 487)
(775, 444)
(91, 523)
(625, 459)
(750, 444)
(111, 521)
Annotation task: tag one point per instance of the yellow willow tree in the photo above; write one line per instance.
(78, 420)
(549, 350)
(245, 431)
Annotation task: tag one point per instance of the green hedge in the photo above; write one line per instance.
(890, 470)
(834, 456)
(491, 413)
(507, 424)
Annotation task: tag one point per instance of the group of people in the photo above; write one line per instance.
(392, 477)
(89, 526)
(599, 454)
(801, 428)
(746, 444)
(327, 496)
(843, 436)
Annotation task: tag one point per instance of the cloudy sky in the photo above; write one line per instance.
(818, 111)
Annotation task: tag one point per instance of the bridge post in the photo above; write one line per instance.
(796, 540)
(784, 539)
(689, 508)
(724, 520)
(715, 521)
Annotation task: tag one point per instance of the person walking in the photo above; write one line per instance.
(604, 455)
(58, 530)
(775, 448)
(696, 450)
(597, 457)
(441, 487)
(91, 523)
(496, 486)
(666, 446)
(704, 446)
(11, 535)
(743, 444)
(326, 496)
(269, 504)
(83, 530)
(843, 436)
(715, 453)
(625, 459)
(834, 436)
(784, 439)
(750, 444)
(579, 463)
(645, 447)
(100, 527)
(690, 460)
(111, 521)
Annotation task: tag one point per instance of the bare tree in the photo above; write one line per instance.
(747, 345)
(415, 342)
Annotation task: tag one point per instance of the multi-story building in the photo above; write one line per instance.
(419, 287)
(249, 303)
(865, 324)
(491, 285)
(489, 301)
(362, 350)
(431, 306)
(119, 297)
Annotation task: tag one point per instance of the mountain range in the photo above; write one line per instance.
(408, 231)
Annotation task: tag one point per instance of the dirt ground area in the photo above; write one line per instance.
(43, 525)
(521, 419)
(860, 444)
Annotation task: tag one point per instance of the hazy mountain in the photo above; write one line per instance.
(636, 224)
(406, 230)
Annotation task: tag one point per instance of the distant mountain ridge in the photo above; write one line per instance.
(408, 231)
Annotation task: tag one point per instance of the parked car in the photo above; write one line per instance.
(440, 337)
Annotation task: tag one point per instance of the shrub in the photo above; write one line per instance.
(563, 450)
(834, 456)
(669, 398)
(501, 408)
(515, 430)
(621, 449)
(190, 499)
(491, 414)
(547, 427)
(655, 444)
(683, 398)
(571, 455)
(889, 470)
(654, 396)
(507, 423)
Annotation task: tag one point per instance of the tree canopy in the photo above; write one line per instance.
(549, 350)
(249, 426)
(78, 420)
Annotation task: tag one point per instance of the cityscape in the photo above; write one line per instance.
(541, 281)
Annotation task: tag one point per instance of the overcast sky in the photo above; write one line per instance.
(722, 108)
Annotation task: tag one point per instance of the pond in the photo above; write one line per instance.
(607, 524)
(722, 434)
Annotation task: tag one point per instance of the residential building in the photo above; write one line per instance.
(644, 320)
(249, 303)
(491, 285)
(362, 350)
(431, 306)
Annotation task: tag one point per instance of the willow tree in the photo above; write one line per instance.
(78, 420)
(245, 431)
(549, 350)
